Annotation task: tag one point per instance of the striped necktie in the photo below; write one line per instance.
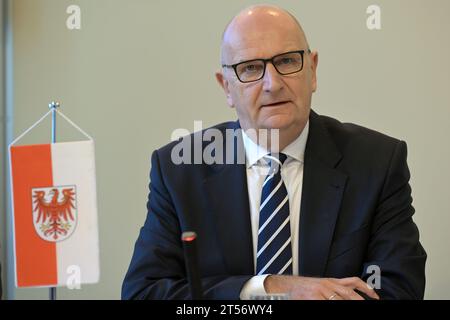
(274, 255)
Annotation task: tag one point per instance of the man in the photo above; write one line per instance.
(337, 213)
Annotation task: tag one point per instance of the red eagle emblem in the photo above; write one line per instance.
(54, 212)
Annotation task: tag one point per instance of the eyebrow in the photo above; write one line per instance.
(307, 50)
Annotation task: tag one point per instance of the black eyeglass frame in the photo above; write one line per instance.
(234, 66)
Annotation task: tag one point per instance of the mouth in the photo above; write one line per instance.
(275, 104)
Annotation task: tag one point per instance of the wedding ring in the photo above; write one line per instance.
(332, 296)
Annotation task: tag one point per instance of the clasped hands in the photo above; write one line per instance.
(307, 288)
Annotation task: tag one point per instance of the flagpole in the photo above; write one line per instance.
(53, 105)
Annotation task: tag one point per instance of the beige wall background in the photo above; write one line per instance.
(139, 69)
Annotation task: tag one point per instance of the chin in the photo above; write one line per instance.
(277, 122)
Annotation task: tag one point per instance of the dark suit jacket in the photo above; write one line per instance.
(355, 212)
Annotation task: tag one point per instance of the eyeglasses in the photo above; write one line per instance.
(254, 70)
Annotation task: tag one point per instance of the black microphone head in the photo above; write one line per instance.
(188, 236)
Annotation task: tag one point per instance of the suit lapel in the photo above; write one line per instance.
(322, 192)
(227, 198)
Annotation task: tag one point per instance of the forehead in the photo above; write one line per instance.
(261, 38)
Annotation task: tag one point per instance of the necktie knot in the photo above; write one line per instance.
(275, 161)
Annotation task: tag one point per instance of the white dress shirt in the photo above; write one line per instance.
(292, 175)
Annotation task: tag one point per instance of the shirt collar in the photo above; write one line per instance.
(295, 150)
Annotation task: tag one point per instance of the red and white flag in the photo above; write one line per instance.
(55, 214)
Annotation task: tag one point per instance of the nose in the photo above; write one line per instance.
(272, 79)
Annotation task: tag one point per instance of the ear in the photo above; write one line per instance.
(314, 62)
(225, 86)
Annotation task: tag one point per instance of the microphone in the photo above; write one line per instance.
(190, 256)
